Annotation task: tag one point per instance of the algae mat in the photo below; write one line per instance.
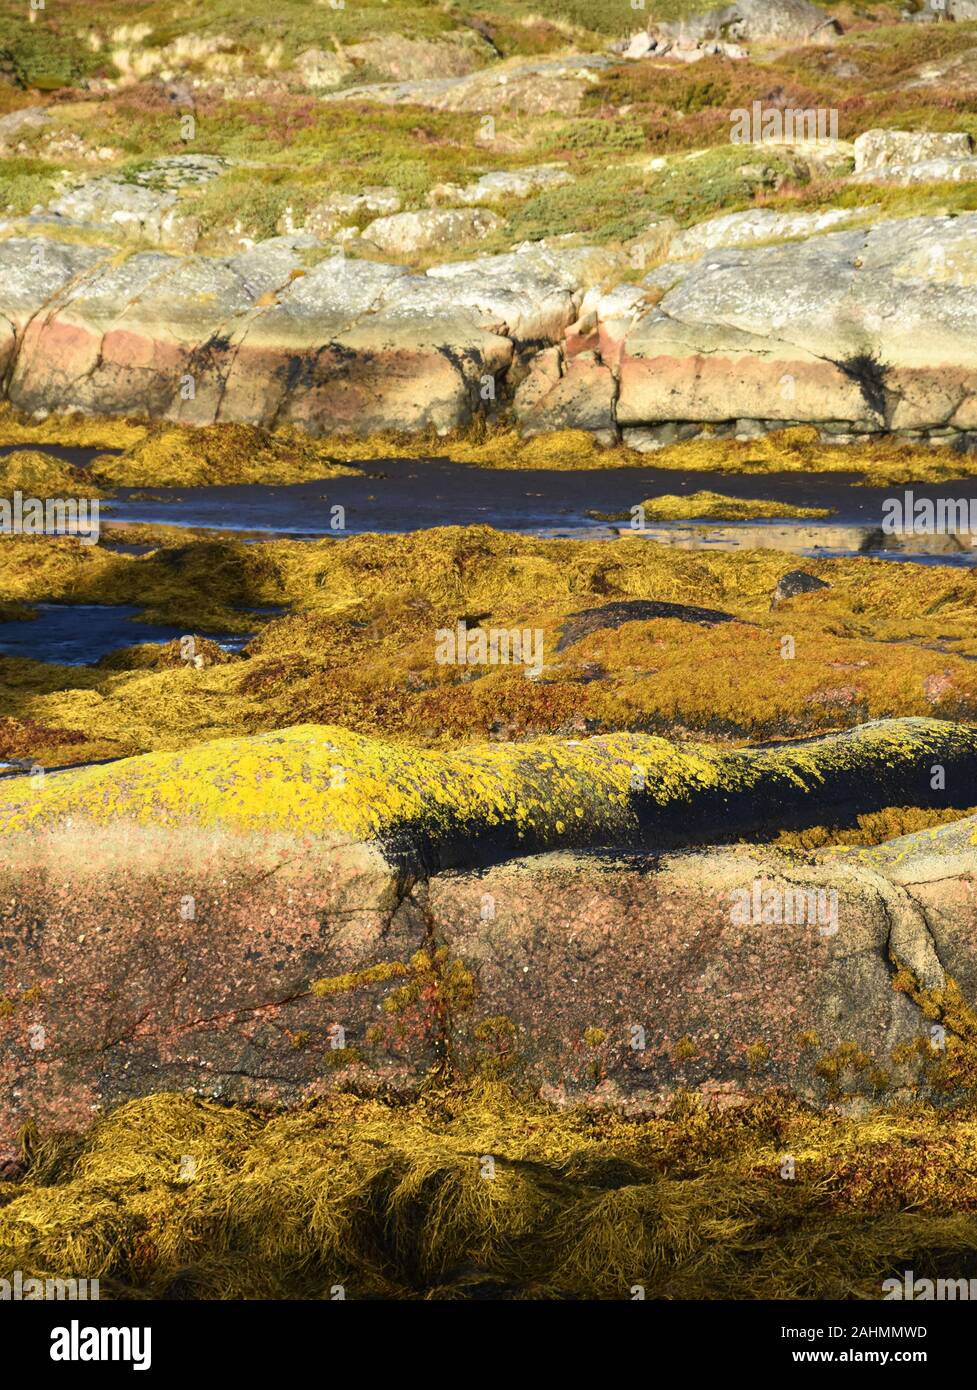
(392, 1202)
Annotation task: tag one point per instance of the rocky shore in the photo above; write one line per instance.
(435, 882)
(856, 332)
(310, 936)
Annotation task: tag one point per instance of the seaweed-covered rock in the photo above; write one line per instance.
(422, 810)
(271, 968)
(796, 582)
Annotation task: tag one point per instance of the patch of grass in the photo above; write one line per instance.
(24, 183)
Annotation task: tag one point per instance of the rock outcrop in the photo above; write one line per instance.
(872, 328)
(269, 968)
(257, 337)
(864, 330)
(784, 21)
(532, 89)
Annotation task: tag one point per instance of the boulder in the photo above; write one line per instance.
(640, 610)
(926, 171)
(596, 980)
(497, 187)
(875, 328)
(758, 225)
(877, 149)
(532, 89)
(142, 214)
(796, 582)
(405, 59)
(16, 124)
(406, 233)
(324, 218)
(582, 398)
(321, 71)
(786, 21)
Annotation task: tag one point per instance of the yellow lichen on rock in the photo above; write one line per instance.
(547, 794)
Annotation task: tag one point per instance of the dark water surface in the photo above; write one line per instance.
(397, 496)
(80, 633)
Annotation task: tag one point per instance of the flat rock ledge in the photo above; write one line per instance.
(858, 330)
(260, 965)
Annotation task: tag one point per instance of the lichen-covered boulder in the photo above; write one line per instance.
(874, 327)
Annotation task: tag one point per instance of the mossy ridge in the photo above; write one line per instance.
(394, 1202)
(433, 810)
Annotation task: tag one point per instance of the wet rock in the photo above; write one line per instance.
(796, 582)
(639, 610)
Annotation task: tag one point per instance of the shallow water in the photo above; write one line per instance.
(814, 539)
(406, 495)
(392, 496)
(79, 634)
